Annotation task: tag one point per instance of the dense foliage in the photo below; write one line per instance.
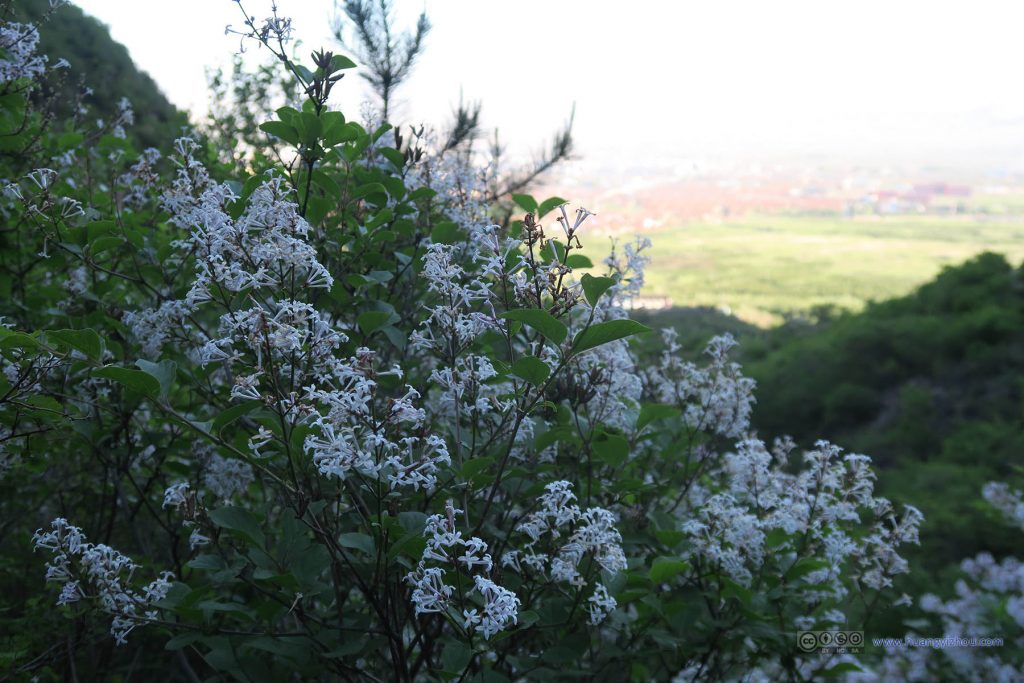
(320, 418)
(931, 384)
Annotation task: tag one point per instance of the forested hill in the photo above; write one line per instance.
(931, 385)
(102, 64)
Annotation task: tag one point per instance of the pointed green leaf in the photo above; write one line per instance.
(164, 372)
(86, 341)
(649, 412)
(239, 520)
(594, 287)
(603, 333)
(137, 380)
(578, 261)
(547, 205)
(664, 568)
(526, 202)
(370, 321)
(542, 321)
(610, 449)
(280, 129)
(358, 542)
(228, 416)
(339, 62)
(532, 369)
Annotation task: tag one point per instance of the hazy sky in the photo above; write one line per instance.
(937, 81)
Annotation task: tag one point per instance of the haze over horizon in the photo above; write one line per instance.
(927, 83)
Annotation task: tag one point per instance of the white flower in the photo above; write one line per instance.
(601, 604)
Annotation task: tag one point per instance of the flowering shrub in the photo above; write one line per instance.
(352, 429)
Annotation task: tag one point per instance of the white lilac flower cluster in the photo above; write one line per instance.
(988, 603)
(498, 606)
(18, 45)
(629, 268)
(729, 528)
(458, 184)
(265, 247)
(1009, 502)
(451, 320)
(465, 392)
(140, 179)
(125, 117)
(356, 434)
(268, 247)
(181, 498)
(716, 398)
(226, 478)
(591, 531)
(98, 571)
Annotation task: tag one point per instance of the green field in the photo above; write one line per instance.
(764, 267)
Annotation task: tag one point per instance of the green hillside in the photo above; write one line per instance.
(931, 385)
(103, 65)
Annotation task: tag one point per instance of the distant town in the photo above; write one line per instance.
(670, 195)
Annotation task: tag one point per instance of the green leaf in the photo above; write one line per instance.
(446, 232)
(340, 62)
(338, 134)
(10, 339)
(528, 619)
(455, 657)
(287, 114)
(594, 287)
(473, 467)
(350, 646)
(776, 537)
(293, 648)
(547, 205)
(526, 202)
(164, 372)
(233, 413)
(369, 189)
(731, 589)
(603, 333)
(136, 380)
(542, 321)
(239, 520)
(553, 251)
(532, 369)
(280, 129)
(610, 449)
(397, 338)
(370, 321)
(357, 541)
(102, 244)
(578, 261)
(312, 126)
(183, 640)
(665, 568)
(396, 158)
(86, 341)
(412, 521)
(649, 412)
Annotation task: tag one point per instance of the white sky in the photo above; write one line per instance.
(932, 80)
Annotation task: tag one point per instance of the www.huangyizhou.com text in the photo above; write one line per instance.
(943, 643)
